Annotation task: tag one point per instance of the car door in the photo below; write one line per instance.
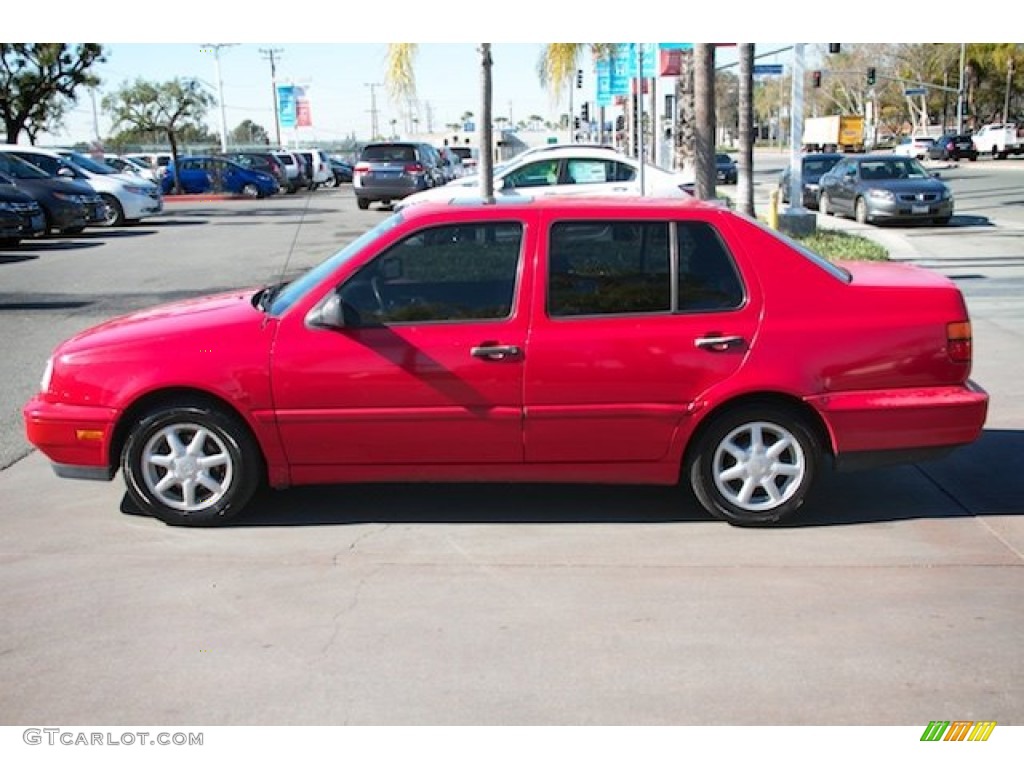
(428, 367)
(640, 319)
(842, 190)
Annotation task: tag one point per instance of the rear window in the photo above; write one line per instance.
(464, 152)
(400, 153)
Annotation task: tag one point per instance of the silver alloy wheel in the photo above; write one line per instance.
(251, 190)
(187, 467)
(759, 466)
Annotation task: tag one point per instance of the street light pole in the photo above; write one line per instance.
(271, 53)
(220, 92)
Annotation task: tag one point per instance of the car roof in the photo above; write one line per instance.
(582, 204)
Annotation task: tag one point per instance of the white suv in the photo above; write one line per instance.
(128, 198)
(319, 166)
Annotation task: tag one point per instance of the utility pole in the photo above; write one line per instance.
(1009, 80)
(374, 124)
(271, 54)
(960, 91)
(220, 92)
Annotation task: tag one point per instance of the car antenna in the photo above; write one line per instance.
(291, 248)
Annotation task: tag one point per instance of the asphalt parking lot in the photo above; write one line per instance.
(893, 599)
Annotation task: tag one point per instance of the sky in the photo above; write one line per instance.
(329, 50)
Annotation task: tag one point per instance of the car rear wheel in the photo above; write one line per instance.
(191, 464)
(251, 190)
(363, 203)
(861, 211)
(755, 465)
(114, 213)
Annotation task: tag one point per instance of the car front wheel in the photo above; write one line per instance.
(191, 464)
(114, 214)
(861, 211)
(755, 465)
(251, 190)
(825, 205)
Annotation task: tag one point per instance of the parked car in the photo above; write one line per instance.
(569, 170)
(131, 165)
(726, 169)
(295, 171)
(393, 170)
(341, 173)
(876, 188)
(20, 216)
(158, 161)
(69, 206)
(205, 173)
(953, 146)
(914, 146)
(125, 198)
(554, 340)
(451, 164)
(265, 162)
(319, 165)
(468, 155)
(812, 167)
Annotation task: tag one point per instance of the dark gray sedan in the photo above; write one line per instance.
(877, 188)
(812, 167)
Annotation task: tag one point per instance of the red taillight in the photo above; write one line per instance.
(950, 145)
(958, 341)
(413, 168)
(361, 168)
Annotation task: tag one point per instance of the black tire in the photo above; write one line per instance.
(332, 182)
(825, 205)
(942, 221)
(73, 231)
(363, 203)
(115, 213)
(9, 242)
(188, 493)
(860, 211)
(781, 469)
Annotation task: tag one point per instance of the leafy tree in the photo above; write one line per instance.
(171, 108)
(38, 81)
(248, 132)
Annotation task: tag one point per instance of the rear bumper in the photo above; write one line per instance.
(76, 438)
(907, 420)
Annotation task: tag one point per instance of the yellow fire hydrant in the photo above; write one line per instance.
(773, 208)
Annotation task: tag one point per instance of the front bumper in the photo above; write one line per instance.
(140, 206)
(76, 438)
(898, 210)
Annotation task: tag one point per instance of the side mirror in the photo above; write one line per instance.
(936, 174)
(507, 183)
(65, 172)
(328, 314)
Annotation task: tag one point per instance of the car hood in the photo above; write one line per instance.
(906, 186)
(203, 315)
(9, 193)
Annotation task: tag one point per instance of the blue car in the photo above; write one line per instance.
(205, 174)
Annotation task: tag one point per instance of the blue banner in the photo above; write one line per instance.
(622, 69)
(649, 64)
(286, 107)
(603, 69)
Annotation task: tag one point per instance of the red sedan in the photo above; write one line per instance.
(559, 340)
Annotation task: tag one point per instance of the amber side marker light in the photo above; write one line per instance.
(89, 434)
(958, 341)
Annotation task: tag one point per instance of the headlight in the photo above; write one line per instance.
(882, 194)
(44, 383)
(68, 196)
(946, 194)
(138, 190)
(4, 206)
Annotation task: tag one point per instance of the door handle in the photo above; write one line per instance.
(718, 343)
(495, 351)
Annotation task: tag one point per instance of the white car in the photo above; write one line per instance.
(571, 170)
(131, 165)
(914, 146)
(127, 197)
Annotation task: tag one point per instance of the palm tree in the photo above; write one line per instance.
(400, 77)
(745, 182)
(704, 113)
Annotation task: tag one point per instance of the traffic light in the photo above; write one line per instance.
(816, 78)
(579, 78)
(833, 47)
(576, 123)
(585, 111)
(620, 123)
(871, 75)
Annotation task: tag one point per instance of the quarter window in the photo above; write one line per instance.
(464, 272)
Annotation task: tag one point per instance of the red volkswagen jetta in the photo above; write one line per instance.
(558, 340)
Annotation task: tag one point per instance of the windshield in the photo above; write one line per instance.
(298, 288)
(87, 163)
(16, 168)
(896, 168)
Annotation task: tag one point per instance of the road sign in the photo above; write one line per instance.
(915, 91)
(767, 69)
